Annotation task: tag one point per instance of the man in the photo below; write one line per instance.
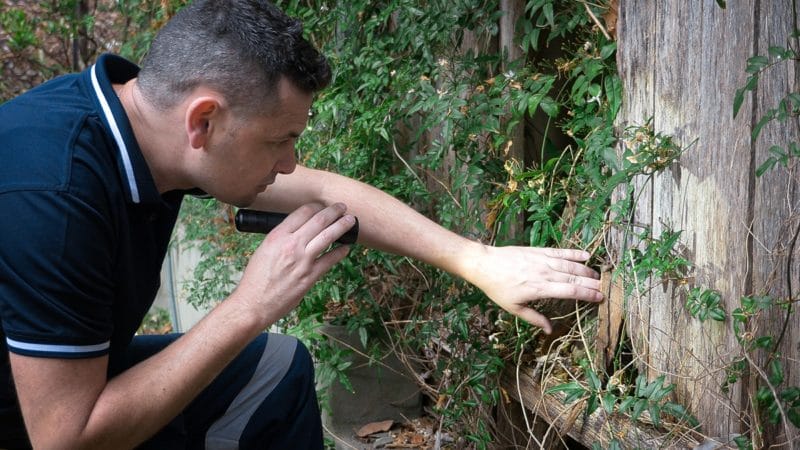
(94, 167)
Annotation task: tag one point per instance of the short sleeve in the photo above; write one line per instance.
(56, 274)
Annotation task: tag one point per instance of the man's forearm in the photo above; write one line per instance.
(385, 223)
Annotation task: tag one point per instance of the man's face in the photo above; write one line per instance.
(252, 151)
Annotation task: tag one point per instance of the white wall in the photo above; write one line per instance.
(175, 272)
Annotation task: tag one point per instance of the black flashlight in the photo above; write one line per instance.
(252, 221)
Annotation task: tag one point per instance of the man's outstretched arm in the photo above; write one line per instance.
(511, 276)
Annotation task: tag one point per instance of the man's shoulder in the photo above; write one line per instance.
(42, 130)
(55, 106)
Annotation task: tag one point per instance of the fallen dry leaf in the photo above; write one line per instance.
(374, 427)
(610, 18)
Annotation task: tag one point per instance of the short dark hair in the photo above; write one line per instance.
(240, 48)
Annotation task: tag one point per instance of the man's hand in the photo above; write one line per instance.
(291, 259)
(515, 276)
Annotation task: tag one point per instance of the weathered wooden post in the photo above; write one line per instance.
(681, 64)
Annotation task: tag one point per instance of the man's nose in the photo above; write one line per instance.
(287, 164)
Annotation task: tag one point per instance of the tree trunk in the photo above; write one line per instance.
(80, 41)
(681, 63)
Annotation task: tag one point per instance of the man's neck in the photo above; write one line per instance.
(158, 135)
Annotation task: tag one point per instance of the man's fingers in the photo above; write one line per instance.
(573, 268)
(316, 226)
(568, 291)
(566, 253)
(534, 318)
(300, 216)
(330, 233)
(588, 282)
(329, 259)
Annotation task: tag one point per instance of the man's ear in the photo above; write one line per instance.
(201, 117)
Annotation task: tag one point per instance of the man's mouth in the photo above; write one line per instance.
(263, 186)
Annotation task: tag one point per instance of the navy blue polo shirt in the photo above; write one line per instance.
(83, 229)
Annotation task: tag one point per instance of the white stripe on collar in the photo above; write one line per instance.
(123, 149)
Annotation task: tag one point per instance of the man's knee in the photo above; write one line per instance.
(301, 372)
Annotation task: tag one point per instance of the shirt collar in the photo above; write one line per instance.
(137, 180)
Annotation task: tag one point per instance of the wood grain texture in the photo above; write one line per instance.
(636, 61)
(681, 63)
(775, 205)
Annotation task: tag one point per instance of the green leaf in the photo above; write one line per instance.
(773, 414)
(574, 396)
(362, 334)
(752, 82)
(793, 414)
(592, 404)
(761, 122)
(384, 134)
(641, 384)
(778, 152)
(571, 389)
(791, 394)
(776, 51)
(652, 388)
(626, 404)
(783, 111)
(662, 392)
(794, 98)
(763, 302)
(775, 372)
(345, 382)
(613, 87)
(756, 63)
(608, 50)
(721, 4)
(738, 99)
(638, 408)
(594, 90)
(763, 342)
(547, 9)
(655, 414)
(766, 165)
(608, 401)
(743, 443)
(718, 314)
(679, 412)
(594, 381)
(764, 396)
(549, 106)
(533, 103)
(609, 156)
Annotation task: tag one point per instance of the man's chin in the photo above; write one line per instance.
(240, 202)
